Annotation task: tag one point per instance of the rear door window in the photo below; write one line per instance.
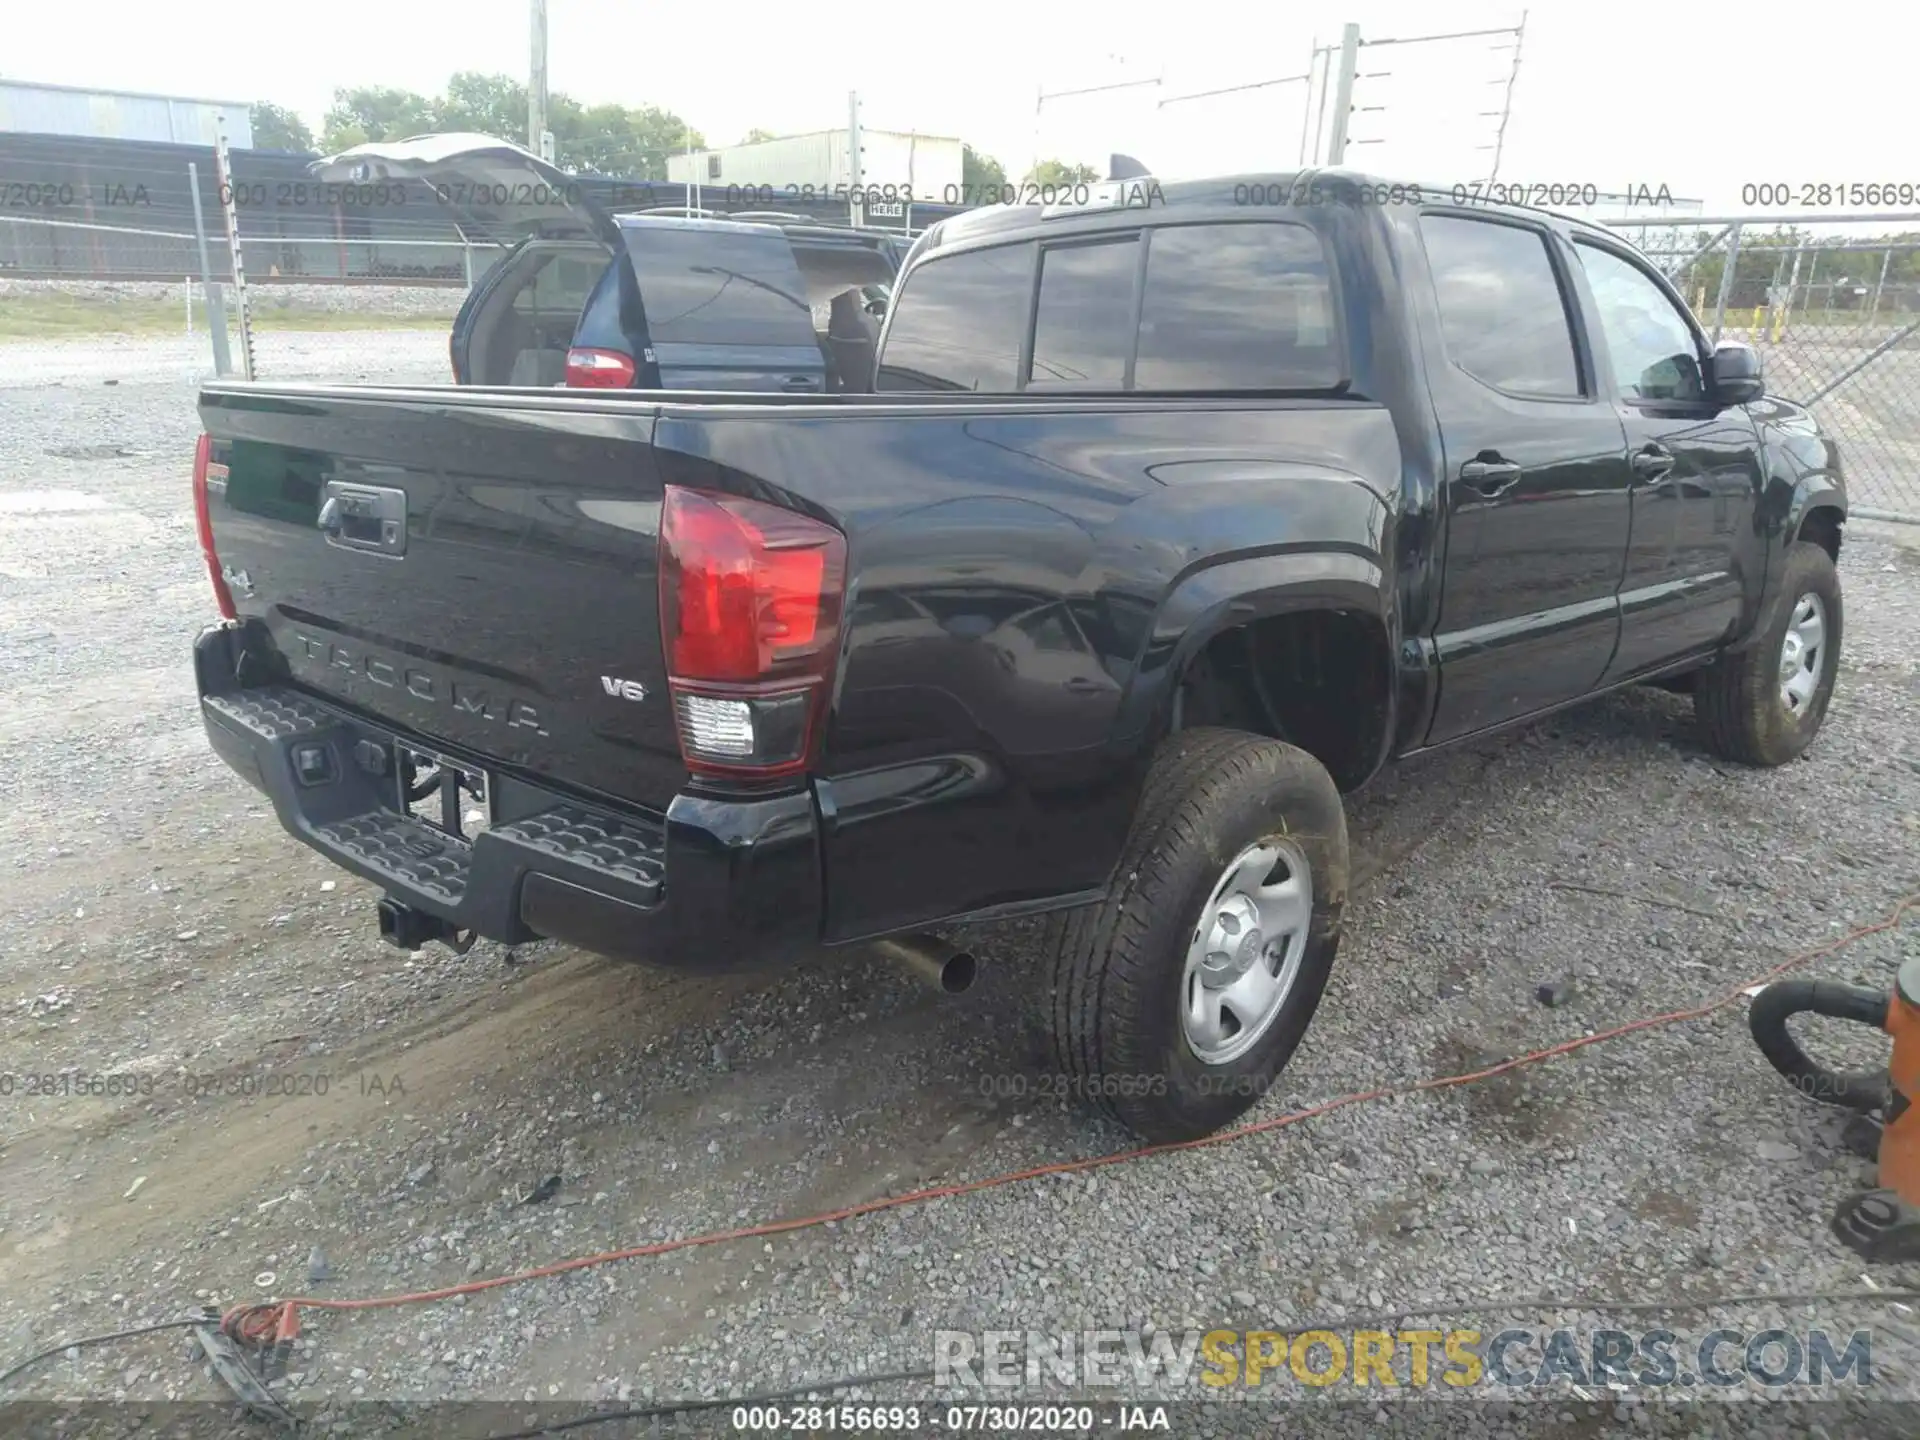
(1502, 314)
(1083, 329)
(960, 321)
(719, 287)
(1236, 307)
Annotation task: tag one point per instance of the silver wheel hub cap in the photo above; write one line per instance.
(1246, 950)
(1803, 653)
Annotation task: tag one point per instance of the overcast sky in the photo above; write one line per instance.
(1702, 97)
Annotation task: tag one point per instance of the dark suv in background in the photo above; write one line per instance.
(648, 301)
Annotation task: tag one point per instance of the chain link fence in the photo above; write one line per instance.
(1833, 304)
(73, 208)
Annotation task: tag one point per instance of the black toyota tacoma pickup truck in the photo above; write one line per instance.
(1180, 513)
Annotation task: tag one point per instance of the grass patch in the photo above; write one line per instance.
(61, 317)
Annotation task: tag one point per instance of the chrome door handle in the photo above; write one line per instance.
(1490, 477)
(1652, 464)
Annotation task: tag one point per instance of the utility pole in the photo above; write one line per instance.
(856, 201)
(1343, 93)
(537, 84)
(1506, 101)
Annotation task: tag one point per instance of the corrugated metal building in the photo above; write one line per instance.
(33, 109)
(798, 166)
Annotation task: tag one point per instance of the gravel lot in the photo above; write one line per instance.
(264, 296)
(160, 925)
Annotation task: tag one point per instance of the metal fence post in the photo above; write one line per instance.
(216, 300)
(223, 169)
(1726, 281)
(1886, 259)
(1786, 300)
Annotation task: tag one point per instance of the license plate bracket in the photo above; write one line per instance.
(453, 797)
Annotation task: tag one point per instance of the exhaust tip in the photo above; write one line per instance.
(959, 972)
(931, 961)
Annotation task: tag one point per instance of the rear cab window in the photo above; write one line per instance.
(960, 322)
(1188, 307)
(1083, 327)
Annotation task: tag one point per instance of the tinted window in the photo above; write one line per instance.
(561, 286)
(716, 287)
(959, 322)
(601, 322)
(1083, 331)
(1501, 311)
(1649, 342)
(1236, 307)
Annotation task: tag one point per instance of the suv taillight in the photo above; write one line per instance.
(750, 624)
(591, 369)
(203, 518)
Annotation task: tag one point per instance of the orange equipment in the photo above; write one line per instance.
(1883, 1223)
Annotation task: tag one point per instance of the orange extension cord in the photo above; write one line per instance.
(278, 1322)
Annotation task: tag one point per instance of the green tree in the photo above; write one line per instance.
(632, 142)
(374, 112)
(756, 135)
(618, 139)
(277, 128)
(979, 173)
(1059, 172)
(485, 104)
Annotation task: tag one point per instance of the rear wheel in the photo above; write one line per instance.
(1764, 705)
(1175, 1003)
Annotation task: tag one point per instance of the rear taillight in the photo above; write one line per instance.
(750, 623)
(591, 369)
(203, 468)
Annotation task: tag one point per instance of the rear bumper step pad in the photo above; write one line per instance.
(471, 884)
(712, 885)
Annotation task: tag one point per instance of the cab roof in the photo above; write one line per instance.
(1124, 197)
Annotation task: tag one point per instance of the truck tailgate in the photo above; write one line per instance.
(469, 567)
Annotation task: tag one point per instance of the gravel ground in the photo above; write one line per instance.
(161, 927)
(160, 373)
(265, 295)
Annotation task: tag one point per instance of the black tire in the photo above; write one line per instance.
(1737, 699)
(1114, 998)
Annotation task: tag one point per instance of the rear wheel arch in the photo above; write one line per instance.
(1318, 677)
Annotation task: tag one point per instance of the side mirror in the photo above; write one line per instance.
(1737, 376)
(875, 307)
